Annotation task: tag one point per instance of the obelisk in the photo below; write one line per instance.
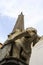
(19, 23)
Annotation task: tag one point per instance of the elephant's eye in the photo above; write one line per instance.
(34, 31)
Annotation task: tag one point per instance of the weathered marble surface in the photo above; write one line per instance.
(4, 52)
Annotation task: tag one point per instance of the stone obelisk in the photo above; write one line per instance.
(19, 23)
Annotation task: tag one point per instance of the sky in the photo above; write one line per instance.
(10, 9)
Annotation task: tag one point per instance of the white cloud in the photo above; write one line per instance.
(32, 9)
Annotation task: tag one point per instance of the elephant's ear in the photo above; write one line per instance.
(5, 51)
